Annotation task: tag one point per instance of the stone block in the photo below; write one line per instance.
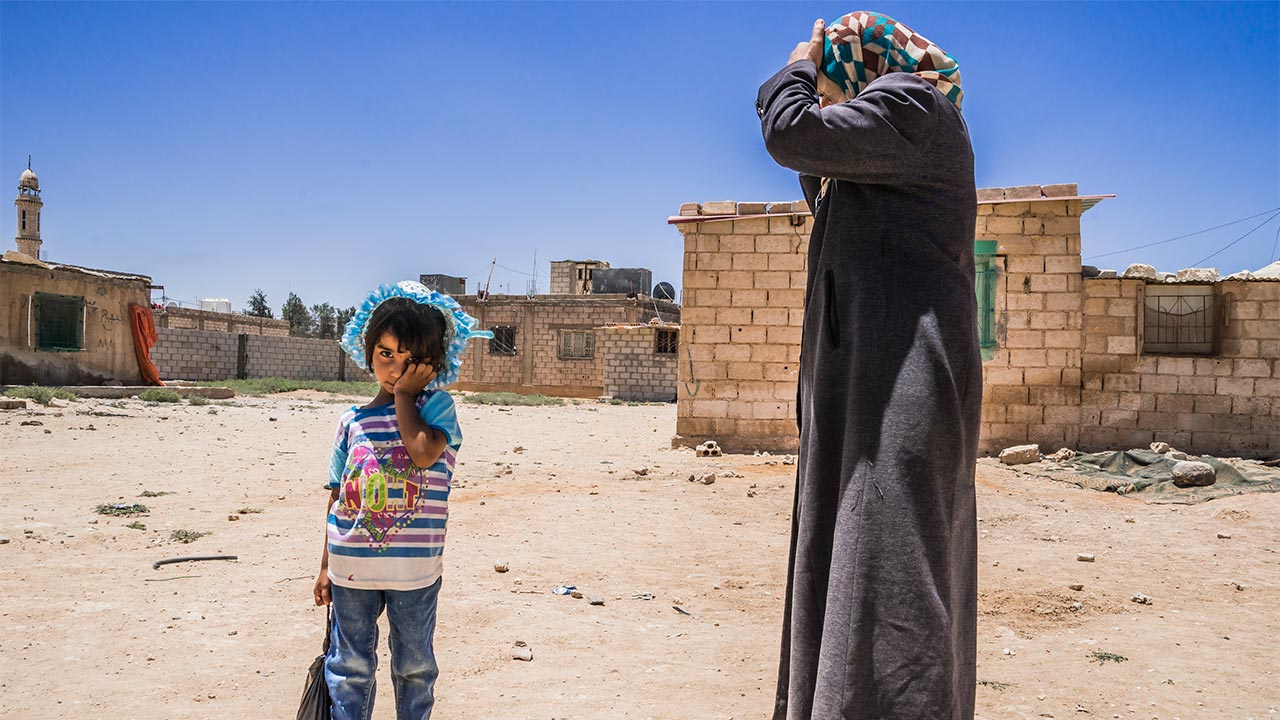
(989, 194)
(1022, 192)
(1235, 386)
(1138, 271)
(1060, 190)
(1020, 454)
(720, 207)
(752, 208)
(1189, 473)
(690, 208)
(1208, 275)
(1004, 226)
(776, 244)
(1026, 264)
(1122, 345)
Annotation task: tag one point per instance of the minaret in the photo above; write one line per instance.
(28, 204)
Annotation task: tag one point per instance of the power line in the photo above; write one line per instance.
(1275, 244)
(1233, 242)
(521, 272)
(1180, 237)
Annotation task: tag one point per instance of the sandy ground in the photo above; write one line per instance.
(90, 630)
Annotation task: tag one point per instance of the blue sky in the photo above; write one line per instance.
(325, 148)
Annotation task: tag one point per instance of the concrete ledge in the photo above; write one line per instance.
(118, 392)
(741, 444)
(569, 391)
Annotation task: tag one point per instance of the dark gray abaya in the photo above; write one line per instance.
(881, 592)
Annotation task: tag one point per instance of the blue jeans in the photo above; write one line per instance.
(353, 651)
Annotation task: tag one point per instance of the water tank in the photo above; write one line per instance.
(220, 305)
(621, 280)
(447, 284)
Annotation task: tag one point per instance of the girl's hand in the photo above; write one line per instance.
(811, 50)
(321, 590)
(416, 377)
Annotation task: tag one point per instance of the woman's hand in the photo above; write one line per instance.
(416, 377)
(811, 50)
(321, 590)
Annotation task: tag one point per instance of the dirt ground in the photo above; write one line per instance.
(91, 630)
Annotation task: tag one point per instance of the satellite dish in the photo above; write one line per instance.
(664, 291)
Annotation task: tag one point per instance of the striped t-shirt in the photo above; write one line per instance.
(386, 529)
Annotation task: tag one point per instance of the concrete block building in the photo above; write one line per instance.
(1092, 363)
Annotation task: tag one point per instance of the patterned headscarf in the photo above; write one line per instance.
(863, 46)
(459, 327)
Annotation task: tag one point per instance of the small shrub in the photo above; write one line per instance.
(154, 493)
(994, 685)
(122, 509)
(1103, 657)
(197, 400)
(42, 395)
(213, 411)
(159, 395)
(509, 398)
(186, 536)
(249, 511)
(136, 525)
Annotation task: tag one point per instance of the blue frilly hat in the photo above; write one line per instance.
(459, 328)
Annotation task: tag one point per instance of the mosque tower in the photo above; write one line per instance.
(28, 204)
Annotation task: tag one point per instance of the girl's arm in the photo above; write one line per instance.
(424, 444)
(321, 589)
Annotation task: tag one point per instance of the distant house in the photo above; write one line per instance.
(63, 324)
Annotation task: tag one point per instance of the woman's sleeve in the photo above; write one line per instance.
(878, 137)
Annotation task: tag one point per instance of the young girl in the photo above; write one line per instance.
(389, 477)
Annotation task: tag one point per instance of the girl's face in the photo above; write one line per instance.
(390, 361)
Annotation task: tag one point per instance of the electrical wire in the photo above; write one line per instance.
(1233, 242)
(523, 272)
(1180, 237)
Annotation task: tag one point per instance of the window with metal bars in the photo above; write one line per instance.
(503, 341)
(665, 342)
(577, 344)
(1180, 320)
(59, 322)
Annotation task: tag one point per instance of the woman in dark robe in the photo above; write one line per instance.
(881, 591)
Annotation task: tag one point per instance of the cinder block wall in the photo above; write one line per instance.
(742, 315)
(1031, 383)
(744, 282)
(632, 368)
(182, 354)
(298, 358)
(192, 319)
(1227, 404)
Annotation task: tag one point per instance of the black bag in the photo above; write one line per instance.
(315, 697)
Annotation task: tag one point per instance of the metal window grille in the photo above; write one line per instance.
(665, 342)
(577, 344)
(1180, 320)
(59, 321)
(503, 341)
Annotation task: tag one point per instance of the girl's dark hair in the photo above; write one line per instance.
(419, 328)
